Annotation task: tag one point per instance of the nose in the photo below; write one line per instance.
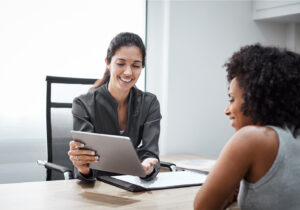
(227, 110)
(128, 70)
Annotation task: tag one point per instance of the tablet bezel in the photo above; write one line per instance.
(117, 154)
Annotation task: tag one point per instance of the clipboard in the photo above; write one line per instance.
(164, 180)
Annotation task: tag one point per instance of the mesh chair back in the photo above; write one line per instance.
(60, 94)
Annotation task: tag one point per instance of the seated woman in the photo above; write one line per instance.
(115, 106)
(263, 155)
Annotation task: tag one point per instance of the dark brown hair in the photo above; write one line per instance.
(121, 40)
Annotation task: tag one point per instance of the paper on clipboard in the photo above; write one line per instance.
(166, 180)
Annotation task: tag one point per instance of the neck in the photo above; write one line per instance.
(120, 96)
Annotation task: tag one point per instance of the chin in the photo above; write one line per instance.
(234, 126)
(123, 85)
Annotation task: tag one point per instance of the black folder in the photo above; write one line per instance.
(164, 180)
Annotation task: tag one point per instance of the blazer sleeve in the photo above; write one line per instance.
(150, 137)
(82, 122)
(81, 118)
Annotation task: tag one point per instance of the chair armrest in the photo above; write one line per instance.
(170, 166)
(68, 173)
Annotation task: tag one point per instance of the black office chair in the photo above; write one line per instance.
(59, 124)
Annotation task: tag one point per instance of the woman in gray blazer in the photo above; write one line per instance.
(115, 106)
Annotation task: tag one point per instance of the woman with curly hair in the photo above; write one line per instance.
(263, 155)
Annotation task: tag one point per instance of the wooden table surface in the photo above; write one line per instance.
(74, 194)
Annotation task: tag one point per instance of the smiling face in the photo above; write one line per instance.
(233, 110)
(125, 68)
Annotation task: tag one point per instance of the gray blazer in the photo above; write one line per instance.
(96, 112)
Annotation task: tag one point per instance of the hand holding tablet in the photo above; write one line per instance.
(117, 154)
(81, 157)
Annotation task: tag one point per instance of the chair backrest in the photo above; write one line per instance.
(60, 94)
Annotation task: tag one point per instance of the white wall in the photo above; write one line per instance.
(157, 59)
(50, 37)
(59, 38)
(202, 35)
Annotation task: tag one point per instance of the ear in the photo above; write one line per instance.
(107, 64)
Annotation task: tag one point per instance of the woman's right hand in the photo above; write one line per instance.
(81, 157)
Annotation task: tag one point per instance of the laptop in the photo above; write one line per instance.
(117, 154)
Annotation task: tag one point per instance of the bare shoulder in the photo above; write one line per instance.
(257, 147)
(237, 160)
(252, 142)
(255, 136)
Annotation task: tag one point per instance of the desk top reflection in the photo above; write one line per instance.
(74, 194)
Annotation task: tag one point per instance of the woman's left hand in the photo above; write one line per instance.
(148, 164)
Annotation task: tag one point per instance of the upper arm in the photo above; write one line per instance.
(81, 118)
(151, 131)
(233, 164)
(153, 111)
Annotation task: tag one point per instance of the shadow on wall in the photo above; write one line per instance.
(18, 160)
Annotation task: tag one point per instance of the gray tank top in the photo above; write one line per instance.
(279, 188)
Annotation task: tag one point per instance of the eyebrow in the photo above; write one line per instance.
(122, 59)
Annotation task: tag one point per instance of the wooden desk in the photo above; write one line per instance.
(180, 157)
(73, 194)
(190, 161)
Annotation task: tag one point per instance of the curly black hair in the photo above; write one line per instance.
(270, 80)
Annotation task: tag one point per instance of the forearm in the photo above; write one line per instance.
(91, 177)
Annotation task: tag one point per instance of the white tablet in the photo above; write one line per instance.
(116, 153)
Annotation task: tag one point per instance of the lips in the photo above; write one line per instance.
(125, 80)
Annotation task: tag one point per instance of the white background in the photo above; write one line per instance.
(58, 38)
